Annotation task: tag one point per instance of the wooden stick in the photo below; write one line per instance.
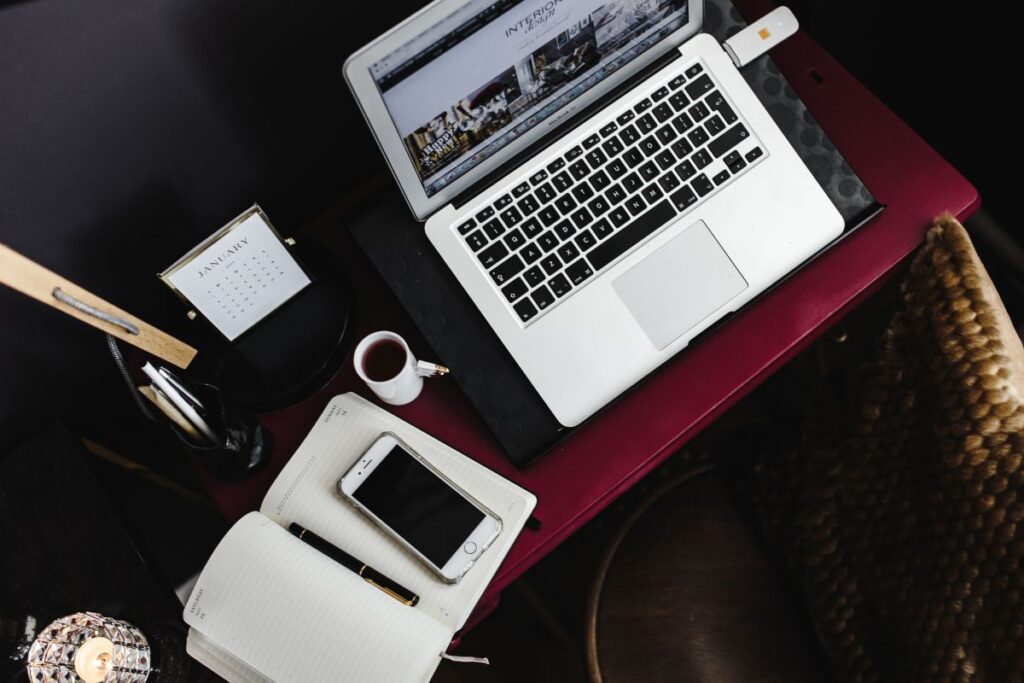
(31, 279)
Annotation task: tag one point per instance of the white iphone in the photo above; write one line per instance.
(436, 521)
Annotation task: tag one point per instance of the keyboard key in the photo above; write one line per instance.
(635, 204)
(514, 239)
(530, 253)
(735, 162)
(568, 252)
(702, 185)
(632, 183)
(677, 81)
(591, 140)
(543, 297)
(520, 189)
(525, 310)
(728, 114)
(633, 157)
(582, 218)
(507, 269)
(615, 194)
(682, 147)
(624, 118)
(729, 139)
(754, 154)
(579, 170)
(602, 228)
(515, 289)
(600, 180)
(485, 214)
(538, 177)
(649, 145)
(682, 123)
(559, 285)
(528, 204)
(665, 159)
(556, 165)
(646, 123)
(721, 177)
(596, 158)
(715, 125)
(545, 193)
(715, 100)
(629, 135)
(585, 240)
(616, 168)
(669, 181)
(652, 193)
(493, 228)
(679, 100)
(608, 129)
(466, 226)
(683, 198)
(663, 112)
(717, 103)
(702, 158)
(642, 106)
(599, 206)
(660, 94)
(547, 241)
(511, 217)
(686, 170)
(698, 112)
(612, 146)
(579, 271)
(573, 153)
(565, 204)
(551, 264)
(565, 230)
(530, 227)
(631, 235)
(694, 70)
(619, 216)
(476, 241)
(492, 254)
(562, 181)
(698, 87)
(548, 215)
(666, 134)
(534, 276)
(649, 171)
(698, 136)
(582, 192)
(502, 201)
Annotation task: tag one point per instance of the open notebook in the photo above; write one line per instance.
(268, 607)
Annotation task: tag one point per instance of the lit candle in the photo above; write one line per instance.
(93, 659)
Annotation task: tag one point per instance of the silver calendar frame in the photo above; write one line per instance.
(195, 251)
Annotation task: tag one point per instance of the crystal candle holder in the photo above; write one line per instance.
(89, 648)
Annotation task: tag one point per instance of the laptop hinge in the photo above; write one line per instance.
(559, 131)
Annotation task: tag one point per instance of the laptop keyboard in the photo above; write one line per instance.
(559, 226)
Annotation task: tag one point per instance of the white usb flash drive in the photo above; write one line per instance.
(761, 36)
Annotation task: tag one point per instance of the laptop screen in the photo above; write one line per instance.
(483, 76)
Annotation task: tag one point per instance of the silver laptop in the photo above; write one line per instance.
(596, 174)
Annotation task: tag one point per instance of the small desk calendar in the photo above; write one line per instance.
(238, 275)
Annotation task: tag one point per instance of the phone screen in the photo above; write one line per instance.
(419, 506)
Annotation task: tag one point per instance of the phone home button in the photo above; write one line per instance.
(469, 548)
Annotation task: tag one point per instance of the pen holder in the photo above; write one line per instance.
(245, 446)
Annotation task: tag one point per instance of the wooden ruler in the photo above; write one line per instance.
(30, 278)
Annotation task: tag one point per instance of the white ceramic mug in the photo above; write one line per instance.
(407, 382)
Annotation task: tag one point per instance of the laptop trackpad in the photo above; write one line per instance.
(679, 285)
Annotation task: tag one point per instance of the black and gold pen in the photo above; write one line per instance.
(365, 571)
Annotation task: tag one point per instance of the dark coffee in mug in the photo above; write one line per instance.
(384, 360)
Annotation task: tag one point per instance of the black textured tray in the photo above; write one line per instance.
(398, 247)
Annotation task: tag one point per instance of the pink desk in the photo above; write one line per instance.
(607, 456)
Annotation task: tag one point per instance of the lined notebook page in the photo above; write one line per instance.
(305, 492)
(293, 614)
(219, 661)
